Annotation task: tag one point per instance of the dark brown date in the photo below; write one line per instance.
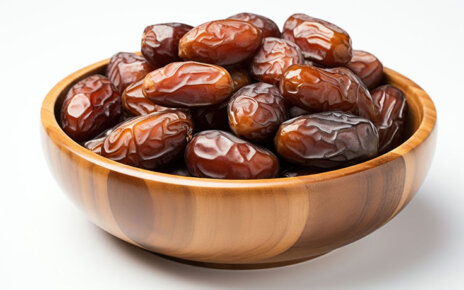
(240, 76)
(218, 154)
(221, 42)
(320, 41)
(149, 141)
(125, 68)
(211, 117)
(91, 106)
(367, 67)
(188, 84)
(160, 42)
(273, 57)
(327, 140)
(390, 123)
(256, 111)
(268, 27)
(319, 90)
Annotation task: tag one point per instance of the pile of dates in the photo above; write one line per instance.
(239, 99)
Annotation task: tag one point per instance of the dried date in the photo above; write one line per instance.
(221, 42)
(367, 67)
(218, 154)
(91, 106)
(268, 27)
(327, 140)
(125, 68)
(240, 76)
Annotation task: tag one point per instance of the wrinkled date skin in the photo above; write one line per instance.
(218, 154)
(319, 90)
(390, 123)
(160, 42)
(273, 57)
(320, 41)
(240, 76)
(125, 68)
(188, 84)
(256, 111)
(367, 67)
(91, 106)
(149, 141)
(211, 117)
(221, 42)
(268, 27)
(96, 143)
(327, 140)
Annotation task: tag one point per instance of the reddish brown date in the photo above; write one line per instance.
(96, 143)
(390, 123)
(320, 41)
(240, 76)
(125, 68)
(326, 140)
(268, 27)
(319, 90)
(218, 154)
(149, 141)
(211, 117)
(221, 42)
(273, 57)
(91, 106)
(367, 67)
(160, 42)
(256, 111)
(188, 84)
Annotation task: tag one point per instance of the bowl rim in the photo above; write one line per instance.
(61, 139)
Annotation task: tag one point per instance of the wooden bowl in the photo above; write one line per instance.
(241, 223)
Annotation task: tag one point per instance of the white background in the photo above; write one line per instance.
(46, 243)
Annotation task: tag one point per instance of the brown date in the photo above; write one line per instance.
(273, 57)
(218, 154)
(221, 42)
(319, 90)
(320, 41)
(211, 117)
(96, 143)
(367, 67)
(149, 141)
(326, 140)
(125, 68)
(256, 111)
(160, 42)
(240, 76)
(91, 106)
(268, 27)
(188, 84)
(390, 123)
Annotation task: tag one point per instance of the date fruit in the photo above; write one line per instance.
(149, 141)
(326, 140)
(256, 111)
(240, 76)
(318, 90)
(320, 41)
(221, 42)
(160, 42)
(91, 106)
(188, 84)
(273, 57)
(390, 123)
(218, 154)
(268, 27)
(96, 143)
(367, 67)
(125, 68)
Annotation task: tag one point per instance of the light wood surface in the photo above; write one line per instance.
(241, 223)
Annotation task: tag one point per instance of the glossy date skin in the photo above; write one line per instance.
(256, 111)
(273, 57)
(91, 106)
(326, 140)
(319, 90)
(320, 41)
(367, 67)
(188, 84)
(125, 68)
(96, 143)
(149, 141)
(218, 154)
(160, 42)
(221, 42)
(268, 27)
(390, 122)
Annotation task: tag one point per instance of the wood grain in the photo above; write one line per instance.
(241, 223)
